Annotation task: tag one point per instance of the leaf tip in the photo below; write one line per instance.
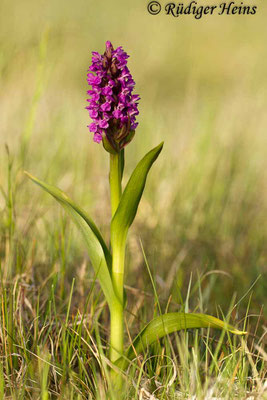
(240, 333)
(28, 174)
(160, 146)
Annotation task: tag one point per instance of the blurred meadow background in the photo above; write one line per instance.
(202, 221)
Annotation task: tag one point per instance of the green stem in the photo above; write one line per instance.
(115, 181)
(116, 312)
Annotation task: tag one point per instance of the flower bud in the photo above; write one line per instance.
(109, 50)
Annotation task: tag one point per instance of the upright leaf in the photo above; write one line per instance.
(168, 323)
(131, 197)
(96, 247)
(60, 196)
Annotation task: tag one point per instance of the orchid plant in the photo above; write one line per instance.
(113, 109)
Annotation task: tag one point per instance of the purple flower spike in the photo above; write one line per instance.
(112, 105)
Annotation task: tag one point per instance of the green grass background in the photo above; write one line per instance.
(203, 88)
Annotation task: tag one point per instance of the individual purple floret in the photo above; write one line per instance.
(112, 106)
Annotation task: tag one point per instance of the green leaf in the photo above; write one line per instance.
(96, 247)
(168, 323)
(131, 197)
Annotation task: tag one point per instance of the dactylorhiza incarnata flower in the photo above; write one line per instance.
(112, 105)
